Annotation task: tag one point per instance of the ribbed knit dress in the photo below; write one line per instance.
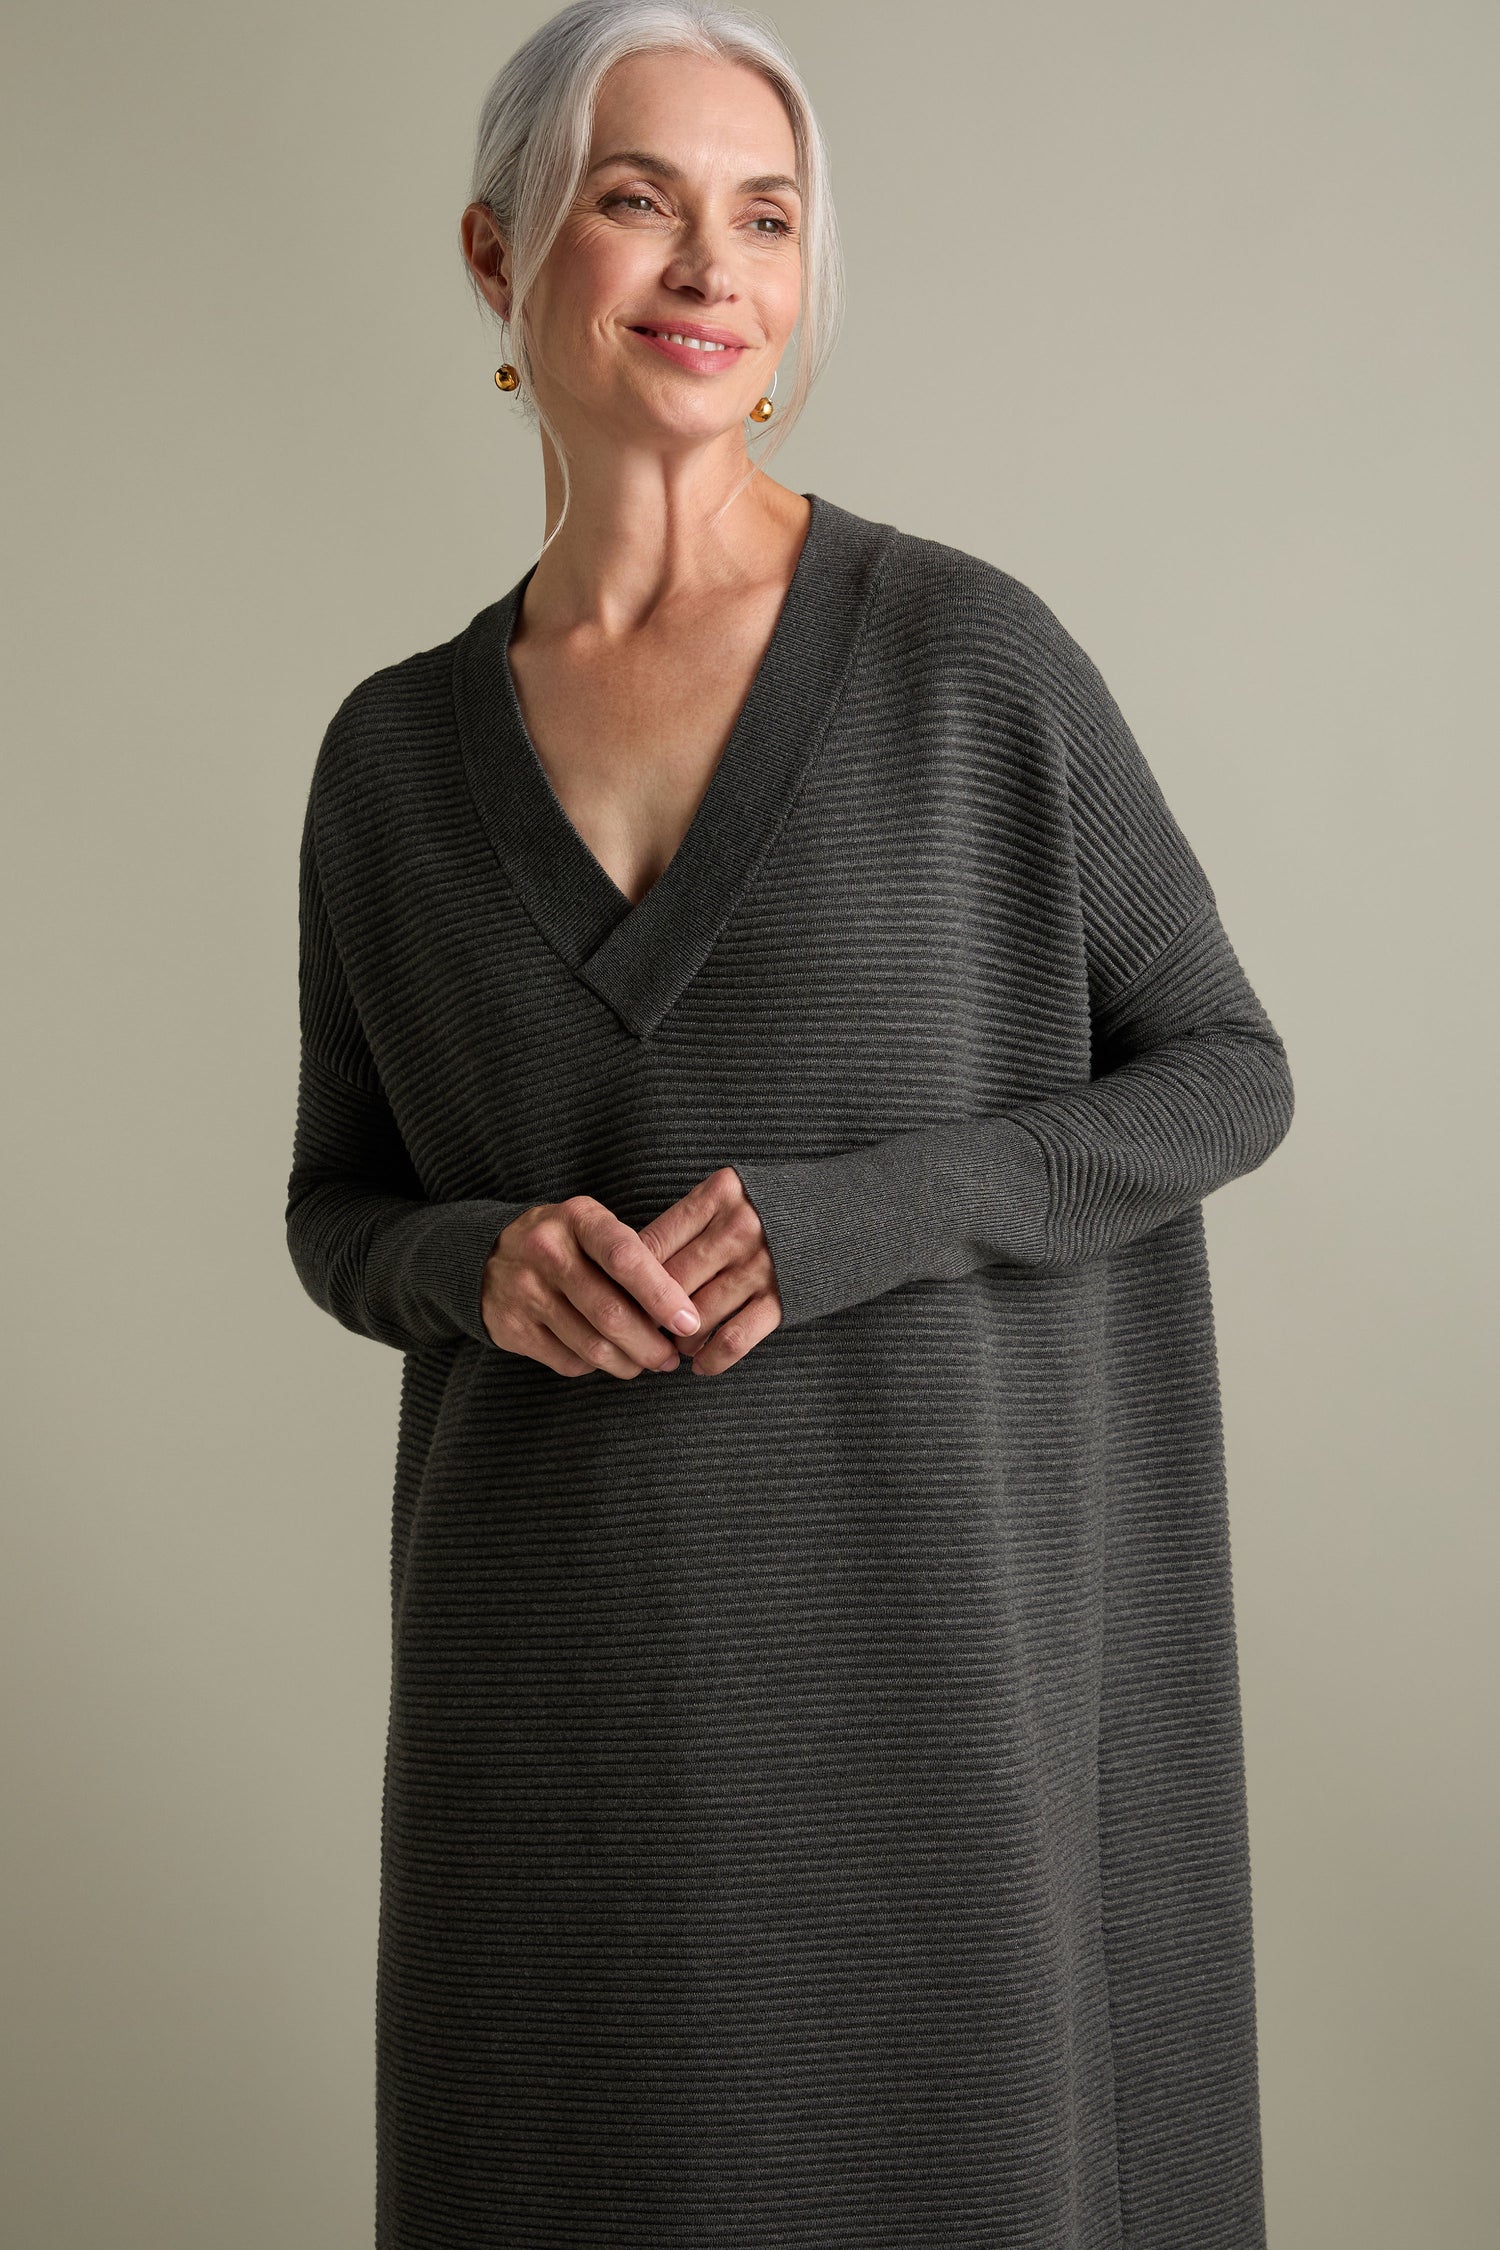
(814, 1806)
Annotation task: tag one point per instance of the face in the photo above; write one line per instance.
(687, 223)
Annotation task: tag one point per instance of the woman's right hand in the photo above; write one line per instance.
(573, 1286)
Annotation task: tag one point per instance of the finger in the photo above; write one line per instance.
(527, 1329)
(603, 1325)
(738, 1335)
(618, 1251)
(671, 1229)
(520, 1321)
(595, 1348)
(618, 1320)
(545, 1345)
(564, 1254)
(732, 1244)
(719, 1300)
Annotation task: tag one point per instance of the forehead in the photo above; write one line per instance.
(701, 112)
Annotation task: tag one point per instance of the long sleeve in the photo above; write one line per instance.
(368, 1246)
(1191, 1085)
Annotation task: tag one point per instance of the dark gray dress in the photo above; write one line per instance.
(814, 1805)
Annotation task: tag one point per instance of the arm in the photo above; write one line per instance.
(368, 1247)
(1191, 1085)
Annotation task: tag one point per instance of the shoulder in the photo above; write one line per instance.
(943, 616)
(385, 729)
(937, 571)
(383, 705)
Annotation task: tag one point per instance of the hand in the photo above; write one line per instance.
(573, 1286)
(712, 1242)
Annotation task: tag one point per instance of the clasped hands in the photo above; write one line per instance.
(571, 1285)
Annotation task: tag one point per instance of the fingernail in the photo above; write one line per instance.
(685, 1321)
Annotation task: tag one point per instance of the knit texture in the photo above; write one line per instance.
(814, 1805)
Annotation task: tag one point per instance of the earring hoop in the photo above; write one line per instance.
(763, 409)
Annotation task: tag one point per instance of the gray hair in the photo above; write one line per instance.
(531, 149)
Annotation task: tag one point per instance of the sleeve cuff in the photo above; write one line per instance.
(438, 1260)
(927, 1205)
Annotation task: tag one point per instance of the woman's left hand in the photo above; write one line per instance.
(712, 1243)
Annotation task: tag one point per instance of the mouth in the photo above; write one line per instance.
(704, 350)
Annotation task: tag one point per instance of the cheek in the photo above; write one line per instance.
(782, 301)
(604, 271)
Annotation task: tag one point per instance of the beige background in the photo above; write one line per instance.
(1186, 315)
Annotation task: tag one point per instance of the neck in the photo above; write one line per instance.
(648, 529)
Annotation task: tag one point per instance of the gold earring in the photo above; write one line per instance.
(762, 410)
(507, 377)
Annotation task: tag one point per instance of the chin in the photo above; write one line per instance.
(700, 428)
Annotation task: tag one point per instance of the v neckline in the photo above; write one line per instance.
(639, 958)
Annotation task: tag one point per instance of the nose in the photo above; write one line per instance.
(699, 263)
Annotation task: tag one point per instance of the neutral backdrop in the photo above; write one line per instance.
(1185, 314)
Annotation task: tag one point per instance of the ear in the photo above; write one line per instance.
(503, 278)
(487, 256)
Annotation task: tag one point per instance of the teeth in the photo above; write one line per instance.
(694, 343)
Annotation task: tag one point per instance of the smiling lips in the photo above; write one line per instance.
(705, 350)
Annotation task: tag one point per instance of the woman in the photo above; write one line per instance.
(814, 1803)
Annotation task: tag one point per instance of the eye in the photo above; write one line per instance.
(769, 218)
(631, 195)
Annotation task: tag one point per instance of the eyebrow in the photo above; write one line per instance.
(641, 161)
